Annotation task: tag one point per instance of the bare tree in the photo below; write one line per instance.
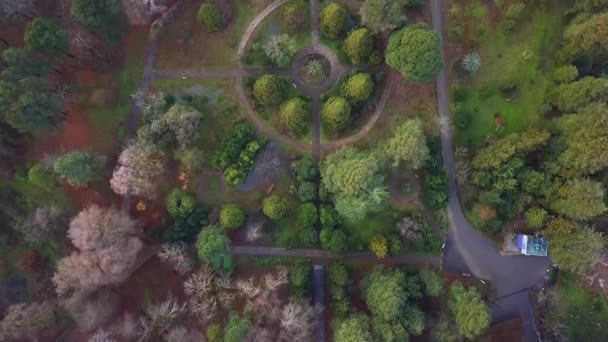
(160, 316)
(200, 283)
(91, 310)
(129, 327)
(272, 282)
(254, 230)
(183, 334)
(258, 333)
(17, 10)
(138, 172)
(101, 335)
(96, 228)
(177, 257)
(26, 319)
(248, 287)
(409, 229)
(297, 321)
(43, 224)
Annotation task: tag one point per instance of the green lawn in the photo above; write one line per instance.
(522, 58)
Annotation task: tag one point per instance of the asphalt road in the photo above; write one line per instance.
(467, 251)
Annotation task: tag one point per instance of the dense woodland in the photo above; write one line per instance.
(120, 208)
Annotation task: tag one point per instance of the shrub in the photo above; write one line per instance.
(378, 246)
(293, 16)
(535, 217)
(471, 62)
(308, 236)
(394, 244)
(231, 216)
(184, 228)
(415, 52)
(306, 169)
(329, 217)
(274, 207)
(332, 20)
(211, 243)
(269, 89)
(307, 191)
(229, 148)
(565, 74)
(358, 45)
(179, 203)
(280, 49)
(306, 215)
(332, 239)
(210, 16)
(78, 168)
(358, 88)
(433, 283)
(336, 113)
(295, 114)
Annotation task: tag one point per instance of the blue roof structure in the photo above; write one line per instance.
(532, 245)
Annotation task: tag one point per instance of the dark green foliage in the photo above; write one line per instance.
(385, 294)
(274, 207)
(535, 217)
(294, 15)
(358, 88)
(434, 179)
(394, 244)
(383, 15)
(236, 327)
(329, 217)
(21, 63)
(104, 16)
(179, 203)
(184, 229)
(78, 168)
(433, 283)
(46, 37)
(414, 51)
(306, 215)
(229, 149)
(336, 114)
(308, 236)
(306, 169)
(337, 278)
(332, 239)
(571, 97)
(269, 89)
(211, 243)
(237, 172)
(299, 279)
(231, 216)
(358, 45)
(210, 16)
(295, 114)
(307, 191)
(332, 20)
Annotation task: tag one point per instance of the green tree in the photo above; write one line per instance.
(571, 97)
(236, 328)
(444, 331)
(274, 207)
(306, 169)
(214, 333)
(578, 251)
(586, 136)
(280, 49)
(586, 35)
(336, 113)
(210, 16)
(294, 15)
(179, 203)
(46, 37)
(433, 283)
(78, 168)
(408, 144)
(379, 246)
(358, 88)
(470, 312)
(333, 239)
(358, 45)
(355, 179)
(269, 89)
(355, 328)
(102, 16)
(384, 293)
(579, 199)
(383, 15)
(565, 74)
(307, 191)
(306, 215)
(535, 217)
(211, 243)
(231, 216)
(21, 63)
(415, 52)
(295, 114)
(333, 20)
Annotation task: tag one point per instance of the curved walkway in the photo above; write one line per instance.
(467, 250)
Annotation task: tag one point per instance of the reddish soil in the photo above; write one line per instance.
(153, 214)
(509, 331)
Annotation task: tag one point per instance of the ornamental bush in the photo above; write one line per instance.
(306, 215)
(358, 88)
(358, 45)
(231, 216)
(78, 168)
(307, 191)
(336, 113)
(210, 16)
(179, 203)
(211, 243)
(415, 52)
(293, 16)
(269, 89)
(333, 20)
(274, 207)
(332, 239)
(295, 114)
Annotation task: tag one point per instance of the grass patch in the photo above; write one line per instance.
(359, 234)
(519, 59)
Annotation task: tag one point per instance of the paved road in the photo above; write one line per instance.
(466, 249)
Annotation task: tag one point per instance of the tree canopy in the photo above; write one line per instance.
(269, 89)
(333, 20)
(470, 312)
(383, 15)
(579, 199)
(211, 243)
(358, 45)
(336, 113)
(295, 114)
(358, 88)
(578, 250)
(586, 35)
(78, 168)
(46, 37)
(415, 52)
(354, 328)
(210, 16)
(407, 144)
(102, 16)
